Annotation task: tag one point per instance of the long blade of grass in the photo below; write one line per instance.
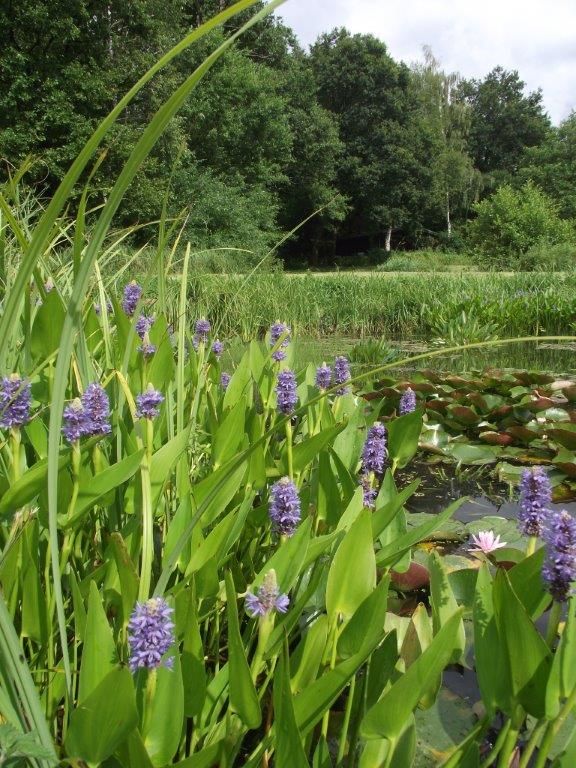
(43, 230)
(149, 137)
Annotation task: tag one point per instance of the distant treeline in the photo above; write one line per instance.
(387, 155)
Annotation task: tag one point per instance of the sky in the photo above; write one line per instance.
(538, 39)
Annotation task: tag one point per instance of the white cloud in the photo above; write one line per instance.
(471, 38)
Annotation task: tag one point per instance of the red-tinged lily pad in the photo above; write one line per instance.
(564, 436)
(523, 434)
(570, 393)
(437, 405)
(566, 461)
(534, 377)
(416, 577)
(502, 411)
(536, 404)
(464, 414)
(496, 438)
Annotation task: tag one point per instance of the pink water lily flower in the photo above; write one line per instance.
(486, 542)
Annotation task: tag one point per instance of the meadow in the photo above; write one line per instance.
(206, 559)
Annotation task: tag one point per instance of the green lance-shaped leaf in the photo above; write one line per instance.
(393, 552)
(308, 656)
(287, 741)
(529, 657)
(164, 460)
(229, 435)
(192, 660)
(100, 485)
(444, 603)
(306, 451)
(387, 718)
(562, 680)
(47, 327)
(127, 573)
(526, 581)
(103, 720)
(367, 624)
(403, 435)
(29, 485)
(243, 696)
(99, 654)
(492, 663)
(289, 559)
(352, 574)
(18, 689)
(163, 712)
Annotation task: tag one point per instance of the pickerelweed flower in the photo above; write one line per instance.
(559, 569)
(342, 374)
(132, 294)
(407, 402)
(217, 348)
(203, 328)
(277, 331)
(486, 542)
(98, 308)
(148, 403)
(374, 452)
(323, 376)
(286, 396)
(150, 634)
(76, 421)
(143, 325)
(97, 410)
(225, 380)
(535, 501)
(369, 492)
(284, 509)
(15, 397)
(267, 599)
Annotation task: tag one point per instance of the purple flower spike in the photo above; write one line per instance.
(267, 599)
(559, 569)
(342, 375)
(148, 403)
(323, 376)
(217, 348)
(369, 492)
(277, 331)
(407, 402)
(143, 325)
(203, 328)
(15, 399)
(77, 422)
(374, 452)
(132, 294)
(97, 410)
(98, 308)
(286, 396)
(284, 508)
(225, 380)
(147, 349)
(535, 501)
(150, 634)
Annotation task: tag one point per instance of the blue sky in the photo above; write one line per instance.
(536, 38)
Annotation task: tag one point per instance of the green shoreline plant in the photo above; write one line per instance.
(204, 575)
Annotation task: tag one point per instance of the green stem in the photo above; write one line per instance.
(552, 730)
(531, 546)
(531, 745)
(326, 717)
(147, 517)
(289, 449)
(553, 622)
(498, 746)
(15, 440)
(346, 723)
(508, 747)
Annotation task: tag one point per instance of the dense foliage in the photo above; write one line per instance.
(385, 156)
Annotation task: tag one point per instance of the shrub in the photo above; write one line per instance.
(511, 222)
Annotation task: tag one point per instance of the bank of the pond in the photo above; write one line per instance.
(398, 306)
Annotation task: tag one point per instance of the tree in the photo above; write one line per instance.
(552, 166)
(504, 122)
(455, 180)
(384, 171)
